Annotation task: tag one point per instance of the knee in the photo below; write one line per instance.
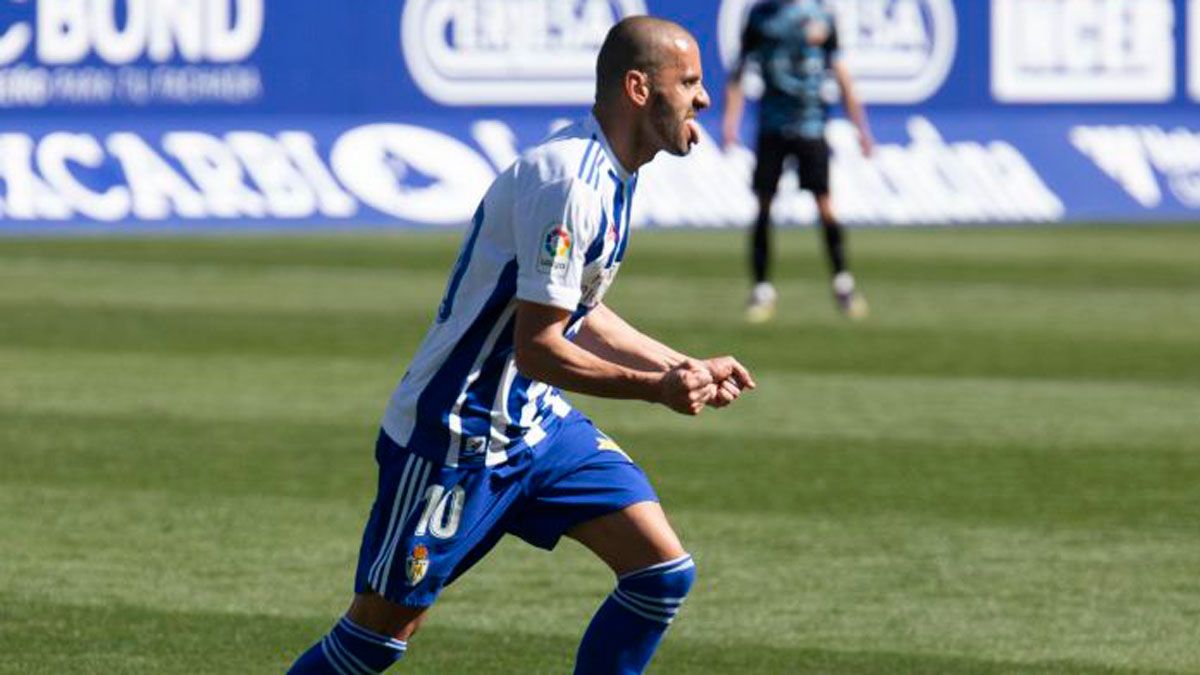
(382, 616)
(672, 579)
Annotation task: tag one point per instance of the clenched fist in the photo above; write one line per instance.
(687, 387)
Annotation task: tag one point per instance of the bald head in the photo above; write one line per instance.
(642, 43)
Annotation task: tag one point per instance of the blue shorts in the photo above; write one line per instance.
(430, 523)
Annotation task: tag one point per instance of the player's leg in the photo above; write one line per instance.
(654, 575)
(814, 177)
(770, 155)
(585, 487)
(370, 638)
(429, 523)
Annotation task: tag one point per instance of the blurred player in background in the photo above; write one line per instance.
(794, 45)
(477, 441)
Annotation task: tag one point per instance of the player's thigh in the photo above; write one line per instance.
(771, 151)
(813, 157)
(429, 523)
(632, 538)
(585, 486)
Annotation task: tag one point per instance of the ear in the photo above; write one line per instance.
(637, 87)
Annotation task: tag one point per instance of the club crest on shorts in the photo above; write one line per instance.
(555, 250)
(417, 564)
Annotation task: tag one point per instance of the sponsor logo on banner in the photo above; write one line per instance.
(1136, 156)
(404, 172)
(137, 52)
(927, 180)
(899, 51)
(517, 52)
(418, 176)
(1093, 51)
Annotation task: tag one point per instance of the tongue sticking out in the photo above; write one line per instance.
(693, 132)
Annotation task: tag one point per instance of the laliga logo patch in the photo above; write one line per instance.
(535, 52)
(899, 51)
(555, 251)
(417, 564)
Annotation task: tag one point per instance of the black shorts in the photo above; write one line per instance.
(812, 162)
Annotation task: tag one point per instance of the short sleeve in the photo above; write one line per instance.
(554, 225)
(831, 43)
(751, 37)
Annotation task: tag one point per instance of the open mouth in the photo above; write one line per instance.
(693, 129)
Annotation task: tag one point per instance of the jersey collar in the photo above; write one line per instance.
(593, 125)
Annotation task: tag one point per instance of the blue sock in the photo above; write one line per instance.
(349, 649)
(629, 625)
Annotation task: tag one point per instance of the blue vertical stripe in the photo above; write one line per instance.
(596, 249)
(618, 210)
(518, 397)
(460, 267)
(583, 163)
(476, 410)
(438, 398)
(624, 242)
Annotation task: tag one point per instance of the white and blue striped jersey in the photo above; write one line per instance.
(552, 229)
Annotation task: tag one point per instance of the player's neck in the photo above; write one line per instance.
(622, 138)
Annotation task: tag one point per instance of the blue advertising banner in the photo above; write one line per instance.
(139, 114)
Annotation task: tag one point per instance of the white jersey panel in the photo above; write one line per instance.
(551, 229)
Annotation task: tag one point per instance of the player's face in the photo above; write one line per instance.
(676, 95)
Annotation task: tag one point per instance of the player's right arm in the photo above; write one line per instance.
(554, 223)
(544, 354)
(735, 103)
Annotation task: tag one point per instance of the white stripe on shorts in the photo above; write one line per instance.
(412, 501)
(387, 538)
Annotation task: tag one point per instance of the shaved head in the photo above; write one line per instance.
(643, 43)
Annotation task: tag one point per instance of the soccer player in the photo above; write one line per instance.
(477, 440)
(795, 47)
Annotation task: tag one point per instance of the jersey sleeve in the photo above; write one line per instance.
(554, 226)
(751, 38)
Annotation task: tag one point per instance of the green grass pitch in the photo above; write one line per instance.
(998, 472)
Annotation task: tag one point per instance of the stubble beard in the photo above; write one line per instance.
(666, 126)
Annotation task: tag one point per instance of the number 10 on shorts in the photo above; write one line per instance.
(442, 512)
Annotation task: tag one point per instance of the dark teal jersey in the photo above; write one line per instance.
(794, 44)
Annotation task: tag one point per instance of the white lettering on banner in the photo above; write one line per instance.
(927, 181)
(1052, 51)
(899, 51)
(287, 193)
(55, 151)
(42, 58)
(215, 169)
(498, 142)
(374, 159)
(332, 201)
(26, 197)
(422, 176)
(213, 31)
(1194, 47)
(1132, 155)
(158, 190)
(518, 52)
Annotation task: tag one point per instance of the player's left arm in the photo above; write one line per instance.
(605, 334)
(854, 107)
